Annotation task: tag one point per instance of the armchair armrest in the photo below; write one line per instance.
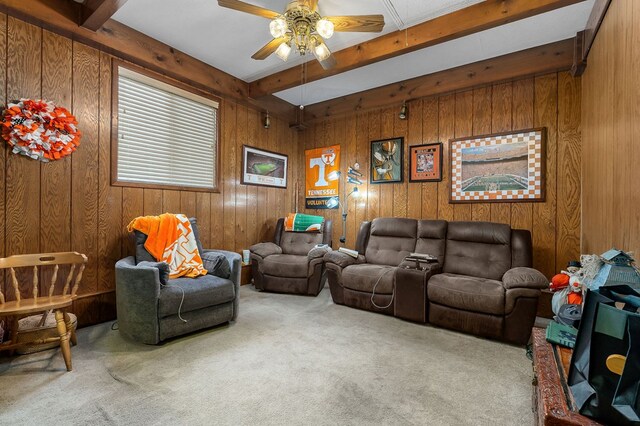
(318, 252)
(265, 249)
(522, 277)
(341, 259)
(162, 268)
(235, 263)
(137, 293)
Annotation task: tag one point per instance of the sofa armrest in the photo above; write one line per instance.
(137, 293)
(341, 259)
(522, 277)
(235, 264)
(318, 252)
(265, 249)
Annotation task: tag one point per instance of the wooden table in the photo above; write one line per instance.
(246, 277)
(552, 400)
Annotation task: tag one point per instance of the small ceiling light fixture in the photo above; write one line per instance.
(267, 121)
(404, 111)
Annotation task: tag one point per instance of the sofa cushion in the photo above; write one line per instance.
(200, 292)
(363, 277)
(391, 240)
(432, 236)
(299, 243)
(467, 293)
(478, 249)
(285, 265)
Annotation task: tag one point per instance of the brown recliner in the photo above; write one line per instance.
(291, 263)
(486, 286)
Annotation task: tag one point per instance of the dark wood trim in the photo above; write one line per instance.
(94, 294)
(586, 38)
(62, 17)
(243, 182)
(470, 20)
(579, 63)
(593, 25)
(552, 57)
(115, 65)
(96, 13)
(543, 171)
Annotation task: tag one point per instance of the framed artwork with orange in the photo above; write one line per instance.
(386, 160)
(425, 163)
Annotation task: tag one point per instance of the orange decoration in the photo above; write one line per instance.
(40, 130)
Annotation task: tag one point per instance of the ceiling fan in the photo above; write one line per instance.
(301, 26)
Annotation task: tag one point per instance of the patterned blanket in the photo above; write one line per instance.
(298, 222)
(170, 239)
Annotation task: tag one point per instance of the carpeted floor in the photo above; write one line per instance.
(287, 360)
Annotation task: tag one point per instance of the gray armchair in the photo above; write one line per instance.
(291, 264)
(152, 307)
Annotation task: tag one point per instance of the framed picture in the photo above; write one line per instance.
(503, 167)
(425, 163)
(386, 161)
(263, 168)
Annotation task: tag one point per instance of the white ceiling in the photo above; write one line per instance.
(538, 30)
(226, 39)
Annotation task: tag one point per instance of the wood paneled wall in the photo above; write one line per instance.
(70, 204)
(551, 101)
(611, 133)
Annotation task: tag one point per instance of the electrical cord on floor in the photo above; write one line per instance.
(181, 300)
(373, 292)
(530, 351)
(114, 326)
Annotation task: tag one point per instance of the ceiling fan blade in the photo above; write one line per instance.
(248, 8)
(358, 23)
(313, 5)
(328, 63)
(268, 48)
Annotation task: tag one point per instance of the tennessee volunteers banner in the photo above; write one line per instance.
(320, 188)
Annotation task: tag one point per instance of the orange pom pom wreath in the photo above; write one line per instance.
(40, 130)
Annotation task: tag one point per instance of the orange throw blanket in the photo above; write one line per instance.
(170, 239)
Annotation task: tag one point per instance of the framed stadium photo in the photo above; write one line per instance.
(425, 163)
(386, 161)
(503, 167)
(263, 168)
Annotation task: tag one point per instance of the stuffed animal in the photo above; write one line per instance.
(559, 281)
(575, 295)
(567, 286)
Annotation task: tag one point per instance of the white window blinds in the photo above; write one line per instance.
(166, 135)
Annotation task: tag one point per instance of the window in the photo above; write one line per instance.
(166, 136)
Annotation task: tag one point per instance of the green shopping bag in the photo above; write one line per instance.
(606, 331)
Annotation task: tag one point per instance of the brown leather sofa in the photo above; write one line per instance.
(291, 264)
(482, 284)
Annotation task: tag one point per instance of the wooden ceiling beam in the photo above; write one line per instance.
(538, 60)
(585, 39)
(61, 17)
(473, 19)
(96, 13)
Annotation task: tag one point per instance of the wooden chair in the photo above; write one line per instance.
(22, 307)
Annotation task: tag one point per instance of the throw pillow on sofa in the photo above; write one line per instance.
(216, 264)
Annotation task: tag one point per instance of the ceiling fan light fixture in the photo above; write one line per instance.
(320, 50)
(283, 51)
(325, 28)
(278, 27)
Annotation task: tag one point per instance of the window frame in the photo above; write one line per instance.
(115, 74)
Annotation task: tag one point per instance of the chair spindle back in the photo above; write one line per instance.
(45, 259)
